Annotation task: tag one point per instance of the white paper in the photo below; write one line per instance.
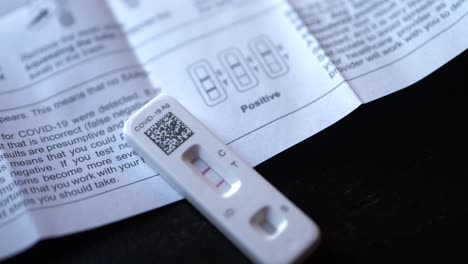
(71, 72)
(383, 46)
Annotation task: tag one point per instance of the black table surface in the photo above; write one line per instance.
(386, 183)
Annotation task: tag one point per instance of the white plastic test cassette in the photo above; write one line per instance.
(258, 219)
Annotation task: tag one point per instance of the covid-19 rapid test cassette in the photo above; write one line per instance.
(257, 218)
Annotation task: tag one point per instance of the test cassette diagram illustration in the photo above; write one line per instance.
(268, 57)
(207, 83)
(237, 70)
(235, 64)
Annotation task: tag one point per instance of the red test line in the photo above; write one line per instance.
(219, 183)
(206, 170)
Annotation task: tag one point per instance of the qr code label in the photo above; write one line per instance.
(169, 133)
